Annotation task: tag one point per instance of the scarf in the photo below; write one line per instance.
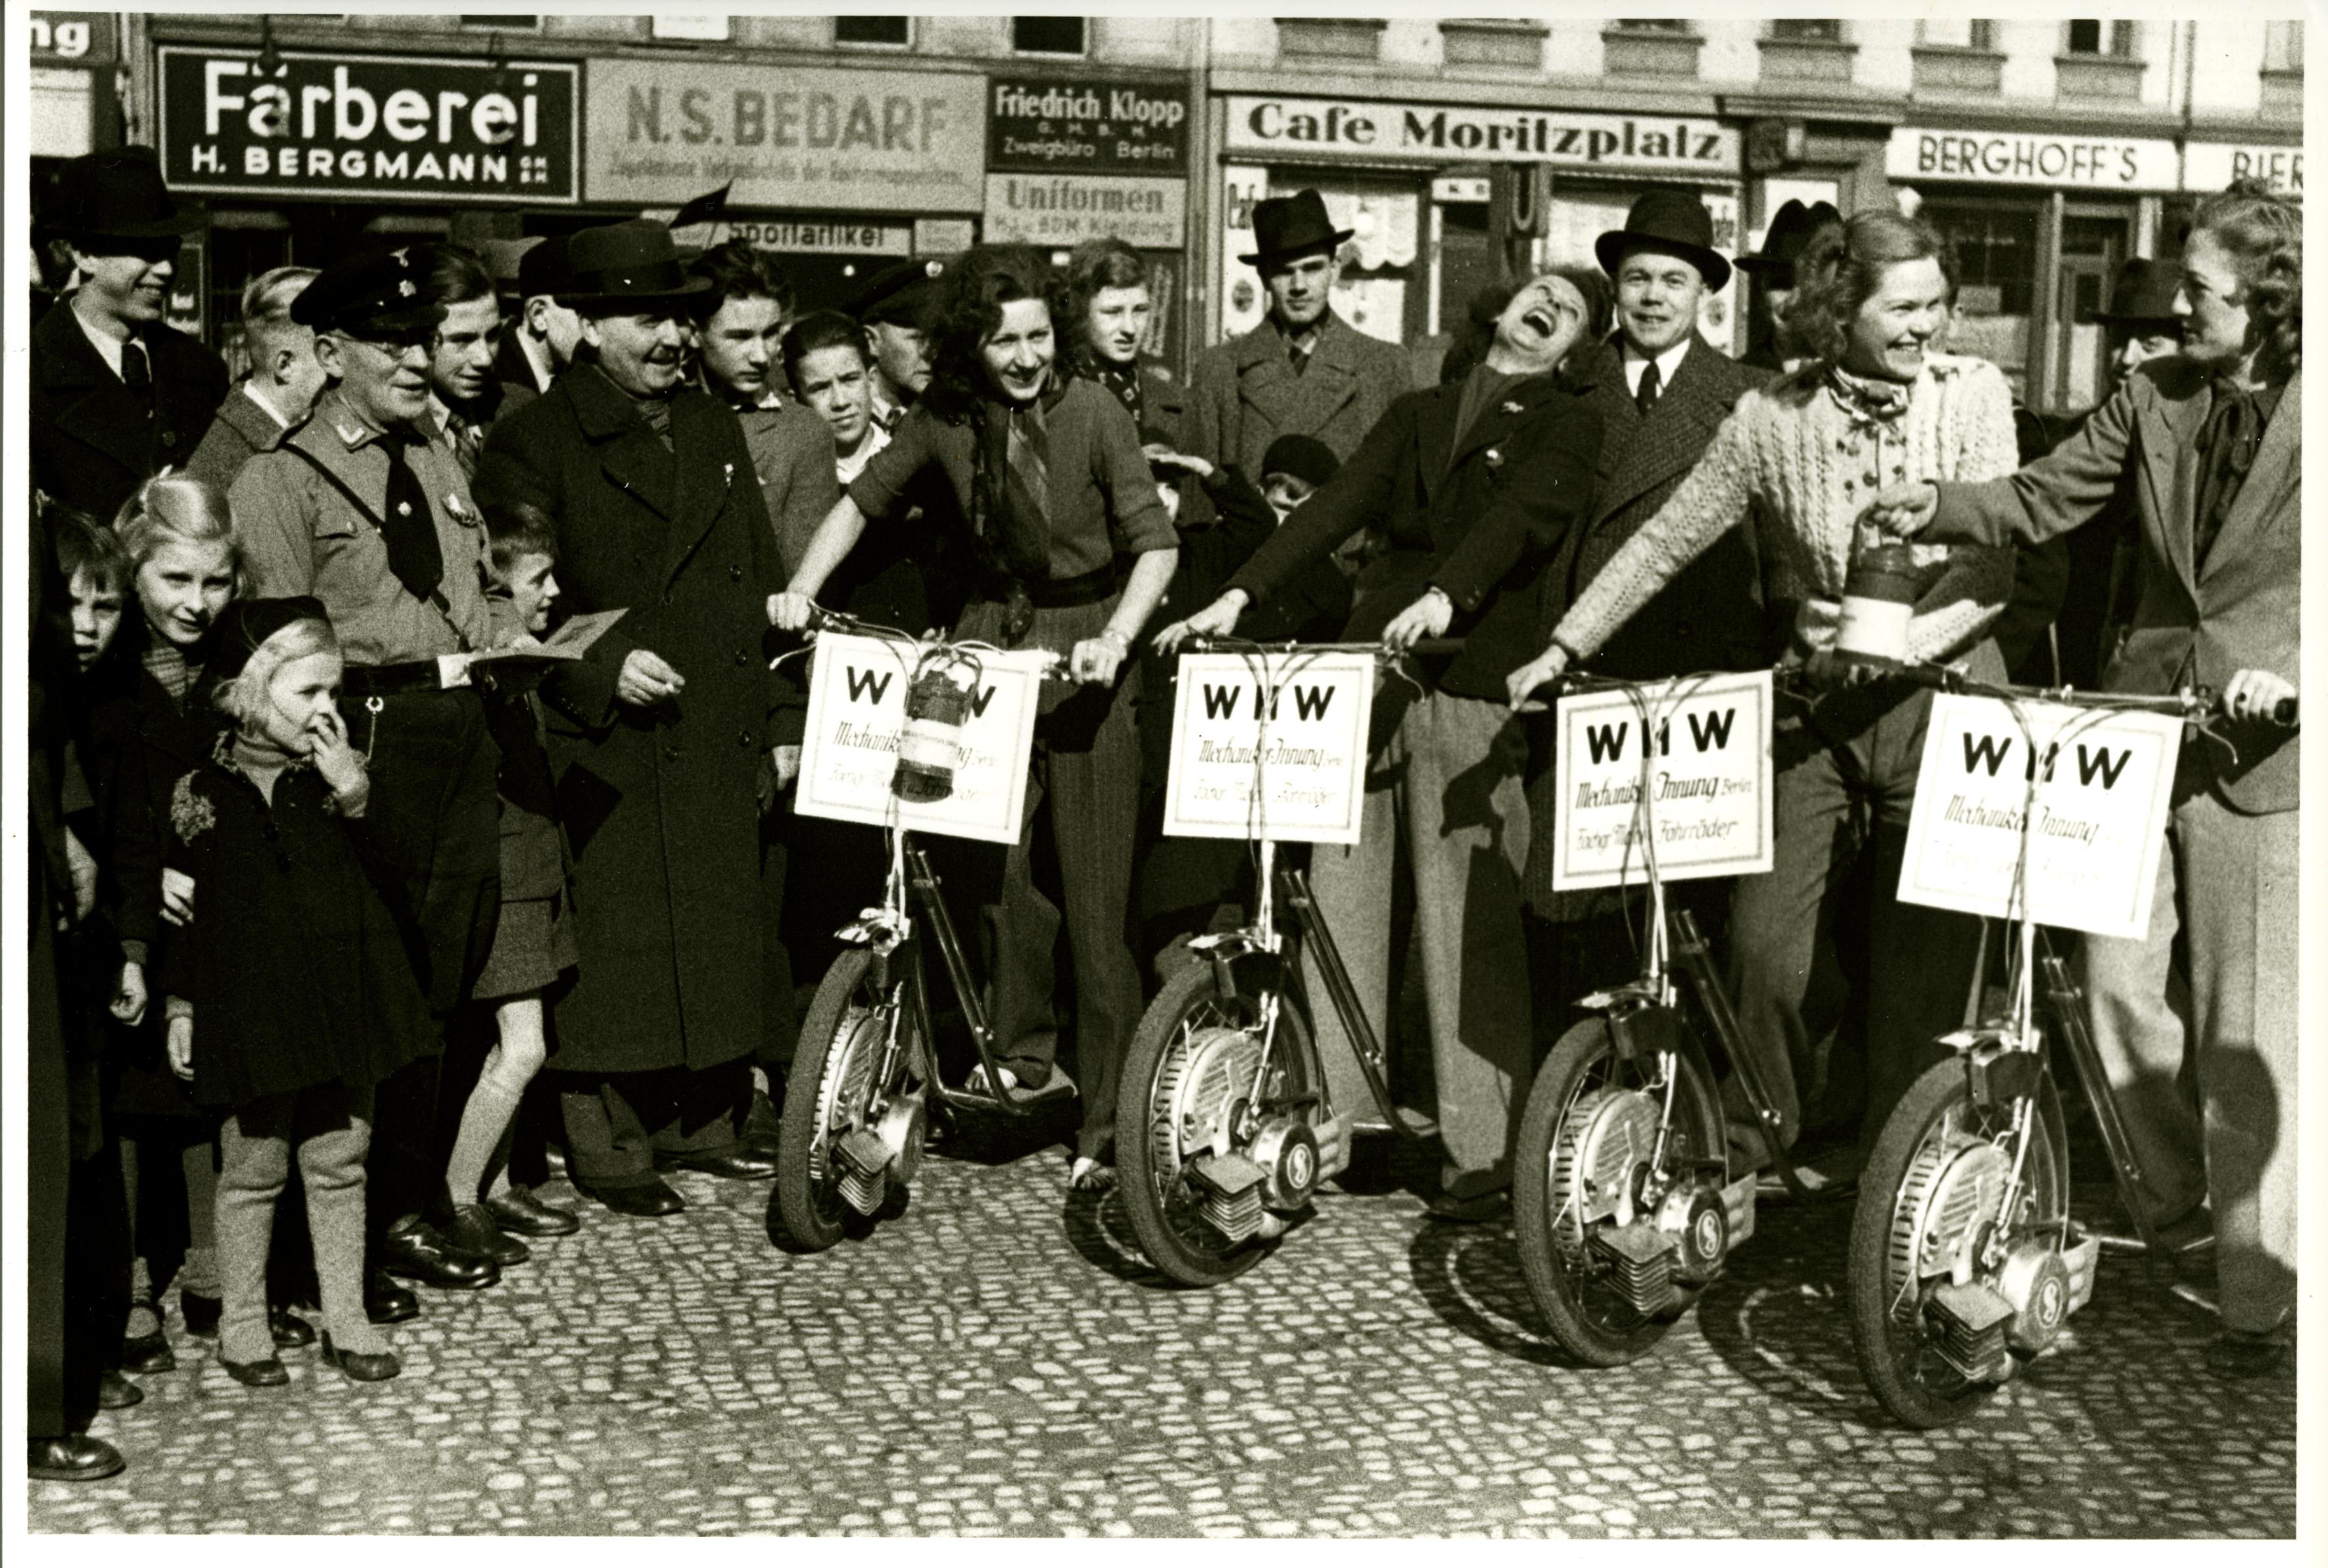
(1871, 405)
(1010, 484)
(170, 668)
(1122, 381)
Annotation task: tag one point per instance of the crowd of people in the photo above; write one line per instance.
(342, 881)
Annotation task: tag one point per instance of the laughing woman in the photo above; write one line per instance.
(1877, 406)
(1040, 479)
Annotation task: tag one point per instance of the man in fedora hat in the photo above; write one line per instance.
(544, 333)
(1772, 268)
(116, 394)
(662, 736)
(361, 509)
(1303, 371)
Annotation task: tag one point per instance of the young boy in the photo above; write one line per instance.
(534, 944)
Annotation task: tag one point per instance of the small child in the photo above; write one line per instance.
(534, 944)
(292, 969)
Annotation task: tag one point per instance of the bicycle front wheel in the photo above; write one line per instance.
(831, 1094)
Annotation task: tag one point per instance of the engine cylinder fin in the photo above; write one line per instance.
(1641, 1261)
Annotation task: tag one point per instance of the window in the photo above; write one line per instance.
(874, 32)
(2090, 38)
(1047, 34)
(2283, 46)
(504, 23)
(1980, 35)
(695, 28)
(1797, 32)
(1647, 24)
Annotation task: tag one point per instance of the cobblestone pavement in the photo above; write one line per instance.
(999, 1361)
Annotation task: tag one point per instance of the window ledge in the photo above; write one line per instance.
(1625, 53)
(2108, 76)
(1500, 42)
(1331, 37)
(1807, 59)
(1953, 67)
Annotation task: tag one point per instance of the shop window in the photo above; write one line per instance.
(1649, 46)
(1049, 35)
(1331, 37)
(1996, 271)
(874, 32)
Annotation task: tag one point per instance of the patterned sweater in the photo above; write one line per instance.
(1814, 466)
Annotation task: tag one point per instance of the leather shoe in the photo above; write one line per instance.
(288, 1330)
(82, 1458)
(518, 1212)
(386, 1302)
(646, 1199)
(420, 1253)
(268, 1374)
(2235, 1353)
(741, 1164)
(360, 1367)
(114, 1391)
(474, 1231)
(1479, 1209)
(148, 1352)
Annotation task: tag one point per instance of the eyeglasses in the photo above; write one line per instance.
(399, 347)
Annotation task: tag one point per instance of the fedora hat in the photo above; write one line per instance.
(118, 195)
(1672, 219)
(628, 263)
(1284, 227)
(2145, 296)
(1791, 230)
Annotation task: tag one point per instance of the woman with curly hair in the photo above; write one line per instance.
(1042, 485)
(1877, 404)
(2212, 437)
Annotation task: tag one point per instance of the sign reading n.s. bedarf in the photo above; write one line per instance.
(387, 127)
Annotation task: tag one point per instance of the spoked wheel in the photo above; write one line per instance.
(831, 1094)
(1194, 1058)
(1587, 1136)
(1934, 1186)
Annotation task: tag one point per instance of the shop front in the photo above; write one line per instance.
(839, 171)
(1419, 184)
(2040, 223)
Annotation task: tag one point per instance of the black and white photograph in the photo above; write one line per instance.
(1159, 776)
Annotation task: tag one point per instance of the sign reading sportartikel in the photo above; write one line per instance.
(1683, 772)
(387, 127)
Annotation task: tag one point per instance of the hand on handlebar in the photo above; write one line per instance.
(1217, 619)
(2255, 696)
(1541, 671)
(791, 611)
(1426, 617)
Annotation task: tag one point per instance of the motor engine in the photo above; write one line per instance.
(1661, 1232)
(1249, 1179)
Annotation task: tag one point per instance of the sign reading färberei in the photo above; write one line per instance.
(389, 127)
(1044, 126)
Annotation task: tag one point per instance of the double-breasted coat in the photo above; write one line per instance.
(662, 805)
(1245, 393)
(1712, 616)
(92, 443)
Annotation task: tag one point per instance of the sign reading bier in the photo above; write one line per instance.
(1270, 745)
(2071, 810)
(1686, 770)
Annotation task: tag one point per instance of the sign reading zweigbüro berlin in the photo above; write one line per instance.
(387, 127)
(1361, 129)
(1685, 769)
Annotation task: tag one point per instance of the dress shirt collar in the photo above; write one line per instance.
(1637, 363)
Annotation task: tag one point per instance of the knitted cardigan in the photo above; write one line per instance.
(1814, 467)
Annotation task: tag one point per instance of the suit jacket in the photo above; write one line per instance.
(792, 455)
(514, 371)
(241, 431)
(2193, 622)
(1712, 614)
(1480, 517)
(92, 444)
(1243, 393)
(660, 805)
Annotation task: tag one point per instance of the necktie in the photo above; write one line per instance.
(2227, 450)
(462, 438)
(1645, 396)
(1026, 538)
(136, 374)
(409, 529)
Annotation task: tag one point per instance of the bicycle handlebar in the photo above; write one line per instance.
(823, 620)
(2190, 703)
(1426, 648)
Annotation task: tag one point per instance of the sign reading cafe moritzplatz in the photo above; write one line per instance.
(1308, 127)
(387, 127)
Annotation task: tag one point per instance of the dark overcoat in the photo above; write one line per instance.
(92, 443)
(661, 806)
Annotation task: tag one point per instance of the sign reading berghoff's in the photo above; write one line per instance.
(387, 127)
(1067, 161)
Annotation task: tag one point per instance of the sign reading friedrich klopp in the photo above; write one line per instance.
(392, 128)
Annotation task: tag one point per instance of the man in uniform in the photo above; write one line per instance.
(359, 508)
(282, 387)
(116, 394)
(1303, 371)
(890, 310)
(662, 738)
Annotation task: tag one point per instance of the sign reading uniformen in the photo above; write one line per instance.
(2084, 796)
(1691, 776)
(857, 710)
(1270, 745)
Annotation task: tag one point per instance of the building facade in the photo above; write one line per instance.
(1455, 148)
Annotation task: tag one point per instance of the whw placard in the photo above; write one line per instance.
(1696, 774)
(2093, 828)
(857, 710)
(1270, 745)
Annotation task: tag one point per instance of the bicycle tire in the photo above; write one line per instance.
(808, 1200)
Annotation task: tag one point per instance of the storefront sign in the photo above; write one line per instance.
(1041, 125)
(2015, 158)
(827, 239)
(72, 38)
(1067, 209)
(2214, 165)
(1357, 129)
(387, 127)
(854, 141)
(1270, 745)
(942, 236)
(1694, 770)
(857, 711)
(2090, 833)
